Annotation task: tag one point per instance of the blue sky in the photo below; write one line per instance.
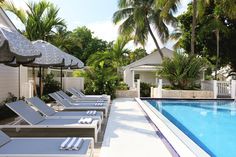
(94, 14)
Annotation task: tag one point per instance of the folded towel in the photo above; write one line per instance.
(94, 112)
(81, 120)
(88, 120)
(98, 104)
(85, 120)
(64, 143)
(78, 144)
(88, 112)
(70, 145)
(91, 112)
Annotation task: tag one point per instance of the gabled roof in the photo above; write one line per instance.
(152, 59)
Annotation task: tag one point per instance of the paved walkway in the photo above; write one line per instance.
(129, 134)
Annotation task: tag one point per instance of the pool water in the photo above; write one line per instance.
(210, 124)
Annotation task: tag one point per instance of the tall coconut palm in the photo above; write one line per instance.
(194, 23)
(225, 8)
(137, 17)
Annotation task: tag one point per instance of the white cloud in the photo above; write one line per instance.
(105, 30)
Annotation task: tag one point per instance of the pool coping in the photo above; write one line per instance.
(148, 98)
(180, 142)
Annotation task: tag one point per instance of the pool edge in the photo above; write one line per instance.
(180, 142)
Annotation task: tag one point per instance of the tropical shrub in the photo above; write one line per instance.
(182, 71)
(50, 86)
(5, 112)
(122, 86)
(145, 89)
(100, 80)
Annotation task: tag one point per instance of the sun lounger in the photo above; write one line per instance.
(41, 126)
(44, 147)
(75, 102)
(68, 106)
(81, 100)
(51, 113)
(79, 94)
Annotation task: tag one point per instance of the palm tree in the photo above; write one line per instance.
(137, 17)
(39, 21)
(64, 40)
(194, 23)
(226, 8)
(182, 70)
(116, 57)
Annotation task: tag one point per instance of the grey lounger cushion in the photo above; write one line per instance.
(39, 147)
(26, 112)
(34, 118)
(79, 99)
(44, 108)
(78, 107)
(48, 111)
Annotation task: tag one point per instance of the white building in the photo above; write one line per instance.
(11, 78)
(145, 68)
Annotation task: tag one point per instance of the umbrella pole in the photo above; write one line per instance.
(40, 81)
(61, 77)
(19, 83)
(34, 84)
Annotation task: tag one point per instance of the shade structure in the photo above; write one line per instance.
(14, 46)
(76, 63)
(51, 56)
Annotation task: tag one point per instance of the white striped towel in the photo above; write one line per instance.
(78, 144)
(64, 143)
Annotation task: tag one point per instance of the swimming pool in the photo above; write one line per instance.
(209, 123)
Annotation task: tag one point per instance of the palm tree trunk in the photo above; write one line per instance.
(154, 39)
(193, 38)
(217, 50)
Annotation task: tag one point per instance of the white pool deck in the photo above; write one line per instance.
(129, 134)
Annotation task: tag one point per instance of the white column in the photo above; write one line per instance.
(203, 75)
(31, 88)
(159, 89)
(157, 81)
(133, 83)
(151, 92)
(215, 89)
(138, 87)
(233, 89)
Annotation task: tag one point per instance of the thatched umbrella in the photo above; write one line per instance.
(51, 57)
(14, 46)
(75, 64)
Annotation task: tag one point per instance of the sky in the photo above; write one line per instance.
(94, 14)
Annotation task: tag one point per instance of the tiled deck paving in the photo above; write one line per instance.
(129, 134)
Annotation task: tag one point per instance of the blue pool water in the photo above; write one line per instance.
(210, 124)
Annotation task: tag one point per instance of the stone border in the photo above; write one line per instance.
(183, 94)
